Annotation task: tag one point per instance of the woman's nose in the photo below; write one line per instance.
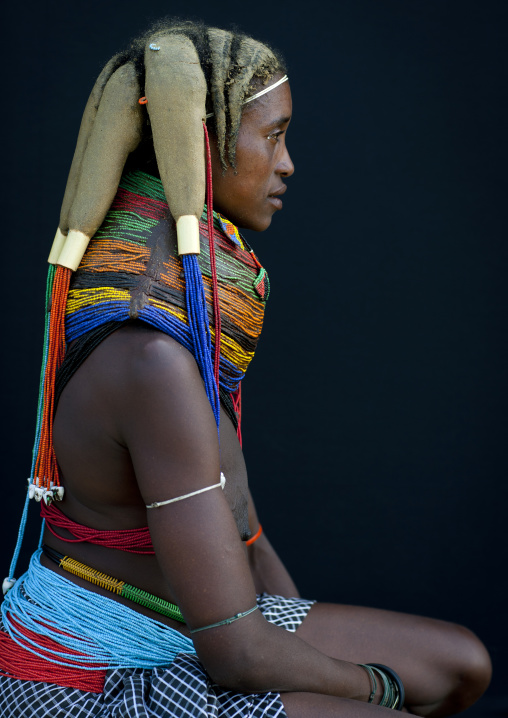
(285, 166)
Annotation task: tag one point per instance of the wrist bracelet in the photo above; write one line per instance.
(393, 689)
(372, 677)
(254, 538)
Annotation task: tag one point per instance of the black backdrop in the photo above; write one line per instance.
(375, 410)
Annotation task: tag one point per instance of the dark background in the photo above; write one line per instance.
(375, 410)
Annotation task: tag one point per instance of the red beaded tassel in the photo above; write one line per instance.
(215, 288)
(46, 472)
(236, 396)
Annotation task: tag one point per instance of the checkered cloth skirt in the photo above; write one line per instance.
(180, 690)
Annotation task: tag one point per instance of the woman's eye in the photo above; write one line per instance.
(275, 135)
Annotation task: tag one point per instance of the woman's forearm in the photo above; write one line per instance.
(261, 657)
(268, 572)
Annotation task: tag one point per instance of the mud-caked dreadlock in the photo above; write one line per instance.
(233, 64)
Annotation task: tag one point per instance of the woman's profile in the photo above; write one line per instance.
(155, 591)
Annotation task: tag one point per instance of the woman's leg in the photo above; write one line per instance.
(444, 667)
(311, 705)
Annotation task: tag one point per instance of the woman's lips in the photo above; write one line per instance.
(275, 201)
(274, 197)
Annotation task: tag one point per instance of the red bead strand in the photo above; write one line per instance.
(209, 216)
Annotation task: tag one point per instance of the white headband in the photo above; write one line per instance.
(258, 94)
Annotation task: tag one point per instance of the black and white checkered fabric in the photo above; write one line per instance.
(181, 690)
(286, 613)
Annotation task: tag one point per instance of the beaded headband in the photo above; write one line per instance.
(258, 94)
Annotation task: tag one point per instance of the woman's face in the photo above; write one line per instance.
(250, 197)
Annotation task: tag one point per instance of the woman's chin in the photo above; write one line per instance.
(254, 224)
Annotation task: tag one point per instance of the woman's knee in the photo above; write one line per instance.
(474, 667)
(462, 668)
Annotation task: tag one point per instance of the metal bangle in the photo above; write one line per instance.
(226, 621)
(394, 688)
(373, 682)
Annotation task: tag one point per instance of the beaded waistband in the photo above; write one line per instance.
(121, 588)
(87, 630)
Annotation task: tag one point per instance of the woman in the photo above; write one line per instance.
(154, 612)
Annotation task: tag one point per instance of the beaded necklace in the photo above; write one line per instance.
(131, 270)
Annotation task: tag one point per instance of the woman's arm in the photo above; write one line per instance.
(166, 422)
(268, 572)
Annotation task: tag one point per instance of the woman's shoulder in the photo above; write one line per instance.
(135, 377)
(138, 354)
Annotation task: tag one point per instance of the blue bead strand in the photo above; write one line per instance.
(40, 403)
(200, 330)
(106, 633)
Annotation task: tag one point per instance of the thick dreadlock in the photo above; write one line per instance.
(233, 64)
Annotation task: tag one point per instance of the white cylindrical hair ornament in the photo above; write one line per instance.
(187, 233)
(57, 246)
(175, 88)
(116, 132)
(73, 249)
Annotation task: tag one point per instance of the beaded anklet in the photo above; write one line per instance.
(136, 595)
